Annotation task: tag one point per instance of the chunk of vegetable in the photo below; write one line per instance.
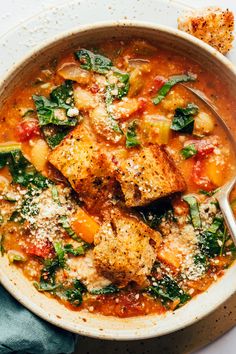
(194, 210)
(15, 256)
(110, 289)
(188, 151)
(131, 135)
(39, 154)
(28, 129)
(136, 79)
(184, 119)
(168, 290)
(125, 108)
(72, 71)
(199, 175)
(84, 226)
(22, 171)
(203, 124)
(84, 99)
(163, 91)
(75, 295)
(214, 172)
(156, 129)
(93, 62)
(56, 109)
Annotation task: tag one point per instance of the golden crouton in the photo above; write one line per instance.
(146, 174)
(123, 252)
(80, 160)
(212, 25)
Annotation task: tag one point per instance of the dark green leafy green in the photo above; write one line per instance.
(119, 89)
(50, 113)
(53, 113)
(131, 135)
(2, 249)
(29, 113)
(54, 134)
(208, 193)
(167, 290)
(93, 62)
(60, 252)
(194, 210)
(110, 289)
(63, 95)
(22, 171)
(48, 273)
(200, 260)
(184, 119)
(66, 226)
(164, 90)
(153, 214)
(212, 241)
(75, 295)
(216, 225)
(78, 251)
(188, 151)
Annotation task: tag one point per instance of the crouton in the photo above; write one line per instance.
(146, 174)
(123, 252)
(212, 25)
(80, 160)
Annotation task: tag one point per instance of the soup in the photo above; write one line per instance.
(108, 172)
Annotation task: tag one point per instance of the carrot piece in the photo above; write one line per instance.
(84, 226)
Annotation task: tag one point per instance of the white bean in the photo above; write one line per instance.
(39, 154)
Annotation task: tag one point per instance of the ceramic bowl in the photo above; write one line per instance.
(83, 322)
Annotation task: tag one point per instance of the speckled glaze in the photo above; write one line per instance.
(84, 322)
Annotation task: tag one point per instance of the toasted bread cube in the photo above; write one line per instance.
(212, 25)
(123, 252)
(146, 174)
(80, 160)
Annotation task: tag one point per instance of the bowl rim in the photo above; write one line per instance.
(7, 283)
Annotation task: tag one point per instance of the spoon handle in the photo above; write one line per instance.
(223, 199)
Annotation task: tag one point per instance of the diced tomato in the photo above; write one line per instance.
(157, 83)
(199, 178)
(41, 250)
(204, 147)
(142, 104)
(94, 88)
(28, 129)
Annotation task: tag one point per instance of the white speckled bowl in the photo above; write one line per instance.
(84, 322)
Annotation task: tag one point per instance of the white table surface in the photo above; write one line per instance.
(13, 12)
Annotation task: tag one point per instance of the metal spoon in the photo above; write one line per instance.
(223, 193)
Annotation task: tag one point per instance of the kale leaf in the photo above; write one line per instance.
(54, 134)
(188, 151)
(22, 171)
(153, 214)
(164, 90)
(53, 113)
(93, 62)
(212, 241)
(167, 290)
(48, 273)
(184, 119)
(131, 135)
(110, 289)
(78, 251)
(75, 294)
(194, 210)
